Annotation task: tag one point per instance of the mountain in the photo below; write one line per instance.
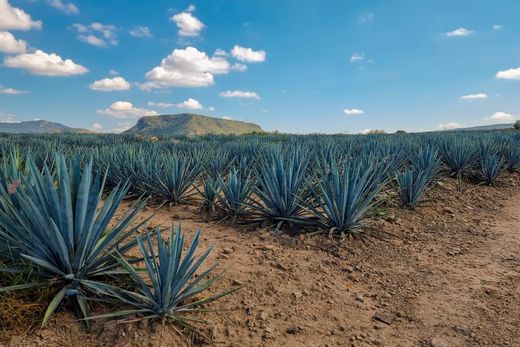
(38, 127)
(489, 127)
(191, 124)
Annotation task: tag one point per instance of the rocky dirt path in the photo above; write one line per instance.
(472, 295)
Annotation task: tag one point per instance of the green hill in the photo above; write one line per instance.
(38, 127)
(191, 124)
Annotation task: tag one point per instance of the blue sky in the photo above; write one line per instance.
(293, 66)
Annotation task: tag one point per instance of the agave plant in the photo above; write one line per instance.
(411, 185)
(174, 281)
(281, 188)
(209, 194)
(342, 198)
(174, 180)
(490, 168)
(426, 159)
(513, 158)
(58, 227)
(236, 192)
(458, 156)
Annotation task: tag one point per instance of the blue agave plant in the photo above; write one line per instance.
(175, 281)
(58, 227)
(342, 198)
(491, 167)
(236, 191)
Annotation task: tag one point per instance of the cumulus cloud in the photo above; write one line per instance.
(13, 18)
(190, 104)
(187, 23)
(227, 117)
(239, 94)
(353, 111)
(449, 126)
(239, 67)
(140, 31)
(41, 63)
(11, 91)
(186, 68)
(497, 27)
(474, 96)
(357, 57)
(510, 74)
(125, 109)
(220, 52)
(121, 127)
(248, 54)
(110, 84)
(10, 45)
(365, 131)
(501, 116)
(459, 32)
(68, 8)
(97, 34)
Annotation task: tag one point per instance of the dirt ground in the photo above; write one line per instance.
(446, 274)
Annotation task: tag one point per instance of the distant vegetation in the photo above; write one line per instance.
(517, 125)
(189, 124)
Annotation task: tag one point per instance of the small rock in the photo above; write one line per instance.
(448, 210)
(294, 330)
(297, 295)
(384, 318)
(360, 298)
(227, 250)
(262, 315)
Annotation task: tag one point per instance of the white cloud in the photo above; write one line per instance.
(140, 31)
(191, 8)
(125, 109)
(6, 117)
(10, 45)
(353, 111)
(110, 84)
(188, 24)
(357, 57)
(113, 72)
(248, 54)
(501, 116)
(497, 27)
(121, 127)
(97, 127)
(211, 109)
(220, 52)
(474, 96)
(186, 68)
(227, 117)
(239, 67)
(13, 18)
(190, 104)
(97, 34)
(449, 126)
(41, 63)
(511, 74)
(69, 8)
(160, 104)
(366, 17)
(459, 32)
(239, 94)
(11, 91)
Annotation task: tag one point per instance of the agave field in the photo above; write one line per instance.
(59, 196)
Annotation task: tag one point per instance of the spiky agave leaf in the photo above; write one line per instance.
(59, 225)
(411, 185)
(174, 179)
(342, 197)
(174, 276)
(491, 167)
(281, 188)
(236, 190)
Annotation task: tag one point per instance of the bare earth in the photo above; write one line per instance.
(447, 274)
